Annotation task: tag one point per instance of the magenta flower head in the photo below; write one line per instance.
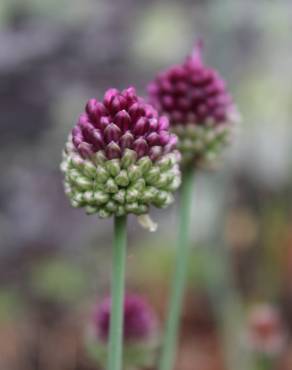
(140, 331)
(265, 331)
(120, 157)
(198, 105)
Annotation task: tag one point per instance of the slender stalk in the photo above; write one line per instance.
(182, 256)
(265, 362)
(115, 345)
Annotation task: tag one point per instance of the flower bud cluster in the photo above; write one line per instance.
(198, 105)
(120, 158)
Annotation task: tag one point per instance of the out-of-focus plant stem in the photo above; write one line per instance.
(177, 291)
(225, 298)
(115, 345)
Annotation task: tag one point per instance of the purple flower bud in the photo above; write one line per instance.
(113, 150)
(126, 141)
(141, 126)
(112, 133)
(109, 96)
(116, 104)
(164, 137)
(153, 139)
(140, 146)
(184, 91)
(136, 111)
(90, 107)
(172, 144)
(122, 120)
(153, 124)
(77, 140)
(97, 140)
(163, 123)
(104, 122)
(130, 95)
(85, 149)
(140, 323)
(155, 152)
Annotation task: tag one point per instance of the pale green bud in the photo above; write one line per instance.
(89, 169)
(120, 196)
(164, 163)
(113, 166)
(73, 175)
(122, 178)
(134, 172)
(132, 207)
(90, 210)
(99, 158)
(139, 185)
(101, 174)
(76, 161)
(100, 197)
(132, 195)
(153, 175)
(129, 158)
(103, 213)
(145, 164)
(111, 206)
(88, 197)
(110, 186)
(83, 183)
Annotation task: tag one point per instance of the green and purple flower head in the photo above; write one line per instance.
(120, 157)
(140, 331)
(200, 109)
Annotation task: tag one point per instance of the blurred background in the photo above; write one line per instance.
(54, 260)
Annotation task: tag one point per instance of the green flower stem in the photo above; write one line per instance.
(264, 362)
(175, 307)
(115, 345)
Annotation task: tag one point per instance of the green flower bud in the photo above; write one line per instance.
(132, 195)
(89, 169)
(90, 210)
(134, 172)
(99, 158)
(103, 213)
(83, 183)
(113, 167)
(122, 178)
(110, 186)
(120, 196)
(128, 158)
(101, 174)
(139, 185)
(145, 164)
(88, 197)
(152, 176)
(101, 197)
(119, 186)
(111, 206)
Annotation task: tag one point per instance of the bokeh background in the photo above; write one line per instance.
(54, 260)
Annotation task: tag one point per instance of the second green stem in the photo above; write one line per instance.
(115, 346)
(182, 256)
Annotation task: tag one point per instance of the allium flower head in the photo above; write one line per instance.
(140, 331)
(198, 105)
(120, 157)
(139, 319)
(265, 333)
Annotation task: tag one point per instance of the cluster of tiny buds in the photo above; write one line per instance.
(140, 322)
(140, 332)
(122, 120)
(195, 99)
(265, 331)
(120, 157)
